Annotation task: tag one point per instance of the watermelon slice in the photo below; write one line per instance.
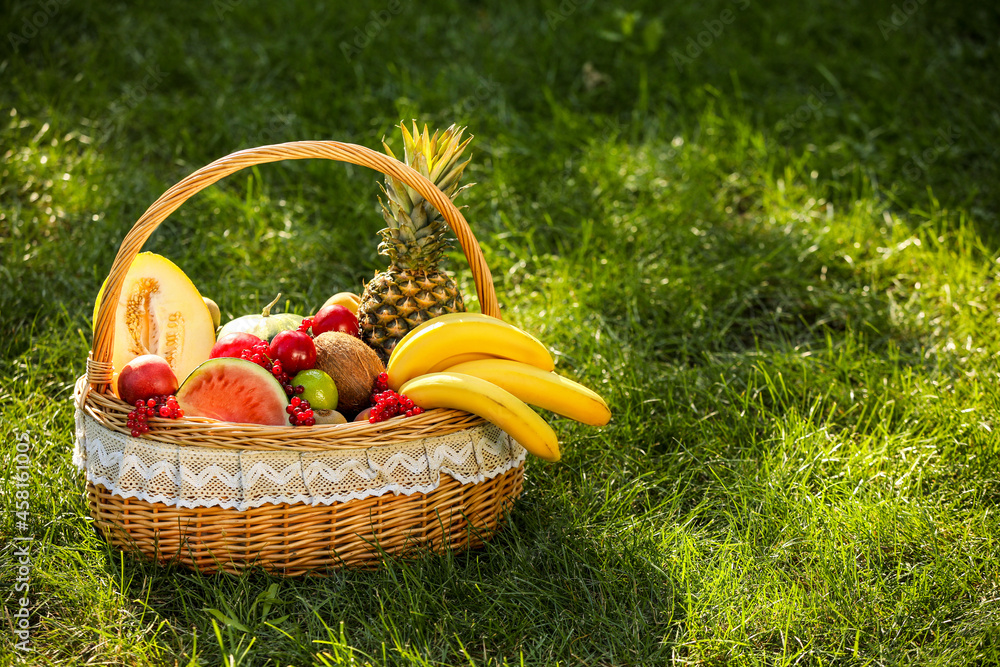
(233, 390)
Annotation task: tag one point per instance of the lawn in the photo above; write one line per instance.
(768, 235)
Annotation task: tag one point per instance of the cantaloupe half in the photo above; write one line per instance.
(160, 312)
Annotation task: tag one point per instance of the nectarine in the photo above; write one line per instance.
(146, 376)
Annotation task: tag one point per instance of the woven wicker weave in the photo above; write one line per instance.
(293, 538)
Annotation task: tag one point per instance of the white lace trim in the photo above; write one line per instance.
(188, 476)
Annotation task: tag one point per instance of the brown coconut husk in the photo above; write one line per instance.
(353, 366)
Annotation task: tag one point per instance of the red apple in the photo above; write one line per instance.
(295, 350)
(144, 377)
(335, 318)
(233, 344)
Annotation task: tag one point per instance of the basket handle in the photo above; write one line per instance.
(99, 365)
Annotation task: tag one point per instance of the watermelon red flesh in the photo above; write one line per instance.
(233, 390)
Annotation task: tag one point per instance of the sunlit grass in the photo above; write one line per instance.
(785, 289)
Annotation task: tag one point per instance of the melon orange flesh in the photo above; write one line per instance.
(233, 390)
(160, 312)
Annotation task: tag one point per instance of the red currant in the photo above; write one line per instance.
(300, 413)
(164, 406)
(387, 404)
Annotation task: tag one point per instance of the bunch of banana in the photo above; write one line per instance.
(476, 363)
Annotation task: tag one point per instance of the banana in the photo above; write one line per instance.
(448, 362)
(450, 317)
(462, 333)
(496, 405)
(541, 389)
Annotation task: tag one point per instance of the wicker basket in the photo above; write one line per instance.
(444, 507)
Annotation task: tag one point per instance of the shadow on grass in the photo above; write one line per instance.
(545, 587)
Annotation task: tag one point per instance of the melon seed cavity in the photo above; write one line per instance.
(174, 339)
(137, 315)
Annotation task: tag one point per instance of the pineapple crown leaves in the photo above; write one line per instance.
(415, 235)
(435, 157)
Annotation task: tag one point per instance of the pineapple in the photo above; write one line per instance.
(413, 289)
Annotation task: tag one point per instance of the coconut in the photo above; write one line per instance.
(353, 366)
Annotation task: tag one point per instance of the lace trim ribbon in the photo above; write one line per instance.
(190, 477)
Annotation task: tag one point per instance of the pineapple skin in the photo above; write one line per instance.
(398, 300)
(413, 289)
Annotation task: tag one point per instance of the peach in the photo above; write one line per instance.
(145, 376)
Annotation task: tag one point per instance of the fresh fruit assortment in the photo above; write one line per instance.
(294, 350)
(514, 370)
(348, 300)
(404, 346)
(213, 308)
(234, 390)
(300, 413)
(460, 334)
(233, 344)
(164, 406)
(387, 404)
(264, 326)
(160, 312)
(144, 376)
(335, 317)
(353, 366)
(413, 289)
(260, 354)
(318, 388)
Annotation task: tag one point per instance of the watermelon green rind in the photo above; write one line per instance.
(233, 390)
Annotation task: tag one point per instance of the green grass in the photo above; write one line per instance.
(777, 261)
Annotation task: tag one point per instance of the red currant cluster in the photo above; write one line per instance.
(300, 412)
(260, 355)
(387, 404)
(157, 406)
(304, 327)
